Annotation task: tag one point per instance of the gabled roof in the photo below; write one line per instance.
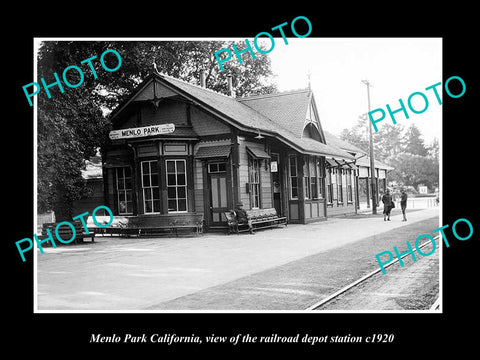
(237, 113)
(287, 109)
(365, 162)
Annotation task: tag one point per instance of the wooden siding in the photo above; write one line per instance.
(160, 92)
(266, 193)
(167, 113)
(204, 124)
(198, 186)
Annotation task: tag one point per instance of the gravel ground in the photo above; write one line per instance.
(299, 284)
(286, 268)
(415, 286)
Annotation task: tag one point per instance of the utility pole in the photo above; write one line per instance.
(372, 161)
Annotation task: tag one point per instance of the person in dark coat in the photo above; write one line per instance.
(242, 217)
(387, 205)
(403, 203)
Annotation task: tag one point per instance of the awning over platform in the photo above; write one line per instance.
(340, 163)
(258, 153)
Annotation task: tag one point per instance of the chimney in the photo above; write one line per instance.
(231, 92)
(202, 79)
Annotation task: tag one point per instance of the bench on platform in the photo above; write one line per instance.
(119, 226)
(143, 225)
(65, 232)
(259, 219)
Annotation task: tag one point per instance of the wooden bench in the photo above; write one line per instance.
(259, 218)
(188, 222)
(119, 226)
(65, 232)
(143, 225)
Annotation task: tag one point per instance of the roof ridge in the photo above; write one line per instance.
(197, 86)
(270, 121)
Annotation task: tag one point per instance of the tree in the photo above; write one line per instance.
(72, 125)
(434, 150)
(386, 144)
(414, 142)
(353, 137)
(357, 135)
(389, 143)
(404, 150)
(70, 128)
(414, 170)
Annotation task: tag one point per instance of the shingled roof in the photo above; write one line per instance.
(287, 109)
(276, 118)
(333, 140)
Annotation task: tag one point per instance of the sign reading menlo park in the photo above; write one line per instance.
(142, 131)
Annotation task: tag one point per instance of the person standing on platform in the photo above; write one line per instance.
(403, 203)
(388, 205)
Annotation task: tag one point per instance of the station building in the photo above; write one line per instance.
(179, 148)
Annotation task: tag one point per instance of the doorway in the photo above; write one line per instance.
(276, 183)
(218, 192)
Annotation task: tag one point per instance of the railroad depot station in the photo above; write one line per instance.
(178, 149)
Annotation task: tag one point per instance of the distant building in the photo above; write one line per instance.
(422, 189)
(363, 173)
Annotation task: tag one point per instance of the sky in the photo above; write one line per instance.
(395, 67)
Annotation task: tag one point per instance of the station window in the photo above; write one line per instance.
(349, 186)
(340, 185)
(151, 190)
(329, 186)
(176, 185)
(293, 177)
(217, 167)
(320, 175)
(313, 177)
(306, 178)
(124, 190)
(254, 180)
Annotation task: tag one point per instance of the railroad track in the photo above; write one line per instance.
(435, 306)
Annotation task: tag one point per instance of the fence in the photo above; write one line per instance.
(419, 203)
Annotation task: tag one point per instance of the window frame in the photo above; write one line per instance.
(320, 175)
(211, 170)
(329, 187)
(254, 176)
(306, 178)
(176, 186)
(290, 176)
(150, 188)
(123, 191)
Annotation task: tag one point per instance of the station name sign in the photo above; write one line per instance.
(142, 131)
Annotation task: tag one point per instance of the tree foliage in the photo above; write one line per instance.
(72, 124)
(413, 139)
(414, 170)
(404, 149)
